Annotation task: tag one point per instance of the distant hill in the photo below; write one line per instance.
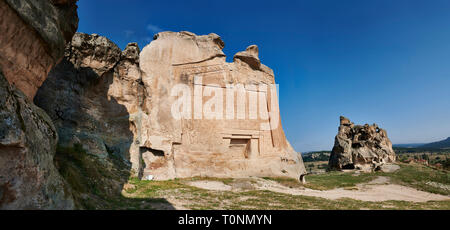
(316, 156)
(415, 145)
(445, 144)
(400, 150)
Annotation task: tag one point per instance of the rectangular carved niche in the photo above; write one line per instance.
(248, 144)
(243, 145)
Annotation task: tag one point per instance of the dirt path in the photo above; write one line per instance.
(377, 190)
(211, 185)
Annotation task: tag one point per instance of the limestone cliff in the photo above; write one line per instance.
(360, 147)
(33, 36)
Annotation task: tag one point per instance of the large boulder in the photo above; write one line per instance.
(360, 147)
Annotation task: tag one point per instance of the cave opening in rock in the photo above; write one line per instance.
(155, 152)
(348, 166)
(152, 159)
(302, 179)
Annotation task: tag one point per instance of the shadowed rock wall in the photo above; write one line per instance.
(33, 37)
(94, 98)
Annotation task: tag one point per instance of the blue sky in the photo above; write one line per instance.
(379, 61)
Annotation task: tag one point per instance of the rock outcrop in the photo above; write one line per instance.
(33, 37)
(94, 97)
(118, 105)
(91, 94)
(211, 138)
(360, 147)
(109, 114)
(28, 177)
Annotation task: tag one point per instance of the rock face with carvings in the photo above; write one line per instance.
(360, 147)
(33, 37)
(208, 117)
(143, 108)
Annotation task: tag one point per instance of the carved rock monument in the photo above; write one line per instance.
(230, 126)
(175, 110)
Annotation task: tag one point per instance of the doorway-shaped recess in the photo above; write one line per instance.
(244, 142)
(241, 145)
(153, 160)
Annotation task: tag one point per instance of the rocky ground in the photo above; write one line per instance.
(336, 190)
(379, 189)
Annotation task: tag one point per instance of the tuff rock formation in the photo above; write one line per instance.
(33, 37)
(94, 97)
(226, 143)
(111, 114)
(118, 105)
(28, 177)
(360, 147)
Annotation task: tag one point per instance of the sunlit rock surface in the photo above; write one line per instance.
(360, 147)
(197, 145)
